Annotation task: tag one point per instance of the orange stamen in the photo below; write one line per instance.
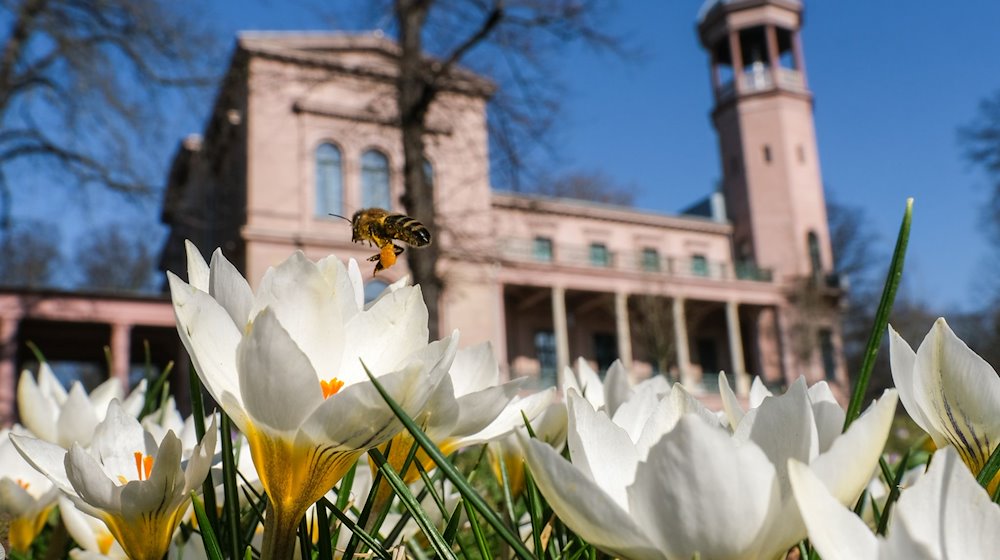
(143, 465)
(23, 483)
(331, 387)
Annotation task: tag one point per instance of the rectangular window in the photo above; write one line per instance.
(699, 265)
(545, 353)
(599, 255)
(827, 351)
(542, 249)
(650, 260)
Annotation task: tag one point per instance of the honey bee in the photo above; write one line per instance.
(380, 228)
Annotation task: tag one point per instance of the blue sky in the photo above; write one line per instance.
(892, 85)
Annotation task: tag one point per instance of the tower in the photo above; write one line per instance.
(764, 117)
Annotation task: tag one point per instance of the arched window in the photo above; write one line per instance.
(329, 181)
(374, 180)
(814, 256)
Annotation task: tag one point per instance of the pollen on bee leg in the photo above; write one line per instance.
(22, 483)
(387, 255)
(330, 387)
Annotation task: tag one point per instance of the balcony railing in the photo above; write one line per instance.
(583, 257)
(755, 79)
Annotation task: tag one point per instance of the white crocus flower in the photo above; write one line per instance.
(132, 482)
(685, 487)
(26, 496)
(616, 388)
(945, 514)
(950, 392)
(287, 364)
(65, 418)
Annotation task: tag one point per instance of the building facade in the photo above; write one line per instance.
(304, 126)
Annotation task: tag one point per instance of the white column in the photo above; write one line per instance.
(500, 344)
(739, 373)
(681, 341)
(561, 330)
(622, 329)
(120, 353)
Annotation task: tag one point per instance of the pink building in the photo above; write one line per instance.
(304, 126)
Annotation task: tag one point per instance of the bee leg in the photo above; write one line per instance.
(397, 249)
(375, 257)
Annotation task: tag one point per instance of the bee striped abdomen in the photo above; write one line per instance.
(407, 230)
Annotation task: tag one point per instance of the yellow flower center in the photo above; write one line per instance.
(331, 387)
(104, 542)
(143, 466)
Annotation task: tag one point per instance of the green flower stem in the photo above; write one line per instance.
(279, 534)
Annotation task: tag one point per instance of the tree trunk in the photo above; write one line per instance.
(416, 91)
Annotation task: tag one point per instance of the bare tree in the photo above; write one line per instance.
(117, 259)
(29, 256)
(980, 142)
(594, 186)
(514, 43)
(653, 328)
(79, 81)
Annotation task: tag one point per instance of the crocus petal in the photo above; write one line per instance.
(307, 308)
(949, 512)
(77, 418)
(590, 384)
(758, 392)
(117, 439)
(584, 506)
(197, 269)
(479, 409)
(210, 338)
(847, 466)
(90, 481)
(783, 427)
(632, 414)
(836, 532)
(601, 449)
(668, 412)
(199, 463)
(730, 404)
(102, 395)
(230, 289)
(698, 484)
(164, 488)
(277, 382)
(348, 294)
(399, 317)
(35, 411)
(617, 387)
(510, 418)
(45, 457)
(960, 393)
(475, 368)
(828, 414)
(902, 358)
